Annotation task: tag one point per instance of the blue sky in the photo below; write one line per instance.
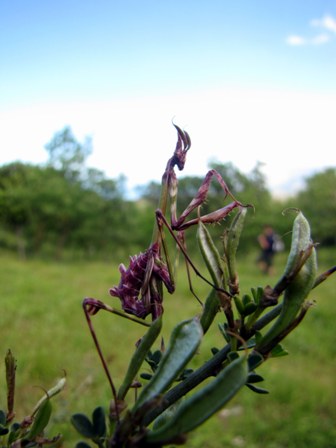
(250, 81)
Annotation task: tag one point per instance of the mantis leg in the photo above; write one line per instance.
(161, 220)
(91, 307)
(199, 199)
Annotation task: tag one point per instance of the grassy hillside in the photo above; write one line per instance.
(42, 322)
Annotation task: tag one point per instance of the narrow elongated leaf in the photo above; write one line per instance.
(139, 355)
(230, 248)
(183, 344)
(203, 404)
(210, 310)
(41, 419)
(257, 389)
(210, 255)
(163, 418)
(250, 308)
(2, 418)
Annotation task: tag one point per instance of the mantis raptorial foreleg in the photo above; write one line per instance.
(162, 221)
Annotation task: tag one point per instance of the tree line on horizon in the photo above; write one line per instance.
(66, 209)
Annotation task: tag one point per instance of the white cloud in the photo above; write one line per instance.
(320, 39)
(295, 40)
(327, 22)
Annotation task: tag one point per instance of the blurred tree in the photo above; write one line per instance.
(68, 155)
(150, 193)
(318, 201)
(15, 202)
(37, 204)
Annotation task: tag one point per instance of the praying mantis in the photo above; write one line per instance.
(140, 289)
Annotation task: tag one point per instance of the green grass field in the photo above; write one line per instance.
(42, 322)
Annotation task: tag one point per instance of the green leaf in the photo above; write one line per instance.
(246, 299)
(254, 378)
(254, 360)
(223, 329)
(258, 390)
(250, 308)
(152, 364)
(257, 294)
(210, 310)
(139, 356)
(210, 255)
(202, 404)
(184, 342)
(146, 376)
(3, 430)
(83, 425)
(163, 418)
(2, 418)
(41, 420)
(279, 351)
(232, 242)
(14, 433)
(156, 356)
(82, 445)
(239, 304)
(99, 422)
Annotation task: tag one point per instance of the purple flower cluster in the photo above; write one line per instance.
(140, 286)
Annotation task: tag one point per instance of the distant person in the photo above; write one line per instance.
(267, 242)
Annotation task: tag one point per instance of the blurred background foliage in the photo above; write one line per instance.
(65, 209)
